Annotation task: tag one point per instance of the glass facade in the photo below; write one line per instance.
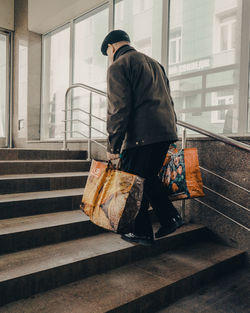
(3, 84)
(56, 59)
(142, 20)
(90, 67)
(204, 50)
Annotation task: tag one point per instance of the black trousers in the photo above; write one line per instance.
(146, 161)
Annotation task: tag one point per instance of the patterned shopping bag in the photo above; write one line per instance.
(112, 198)
(181, 174)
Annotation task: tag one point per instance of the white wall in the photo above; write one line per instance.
(7, 14)
(46, 15)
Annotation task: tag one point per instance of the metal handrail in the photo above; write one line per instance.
(80, 133)
(86, 87)
(77, 120)
(86, 112)
(222, 138)
(227, 180)
(92, 90)
(226, 198)
(199, 130)
(222, 214)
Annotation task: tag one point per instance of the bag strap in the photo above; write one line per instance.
(113, 166)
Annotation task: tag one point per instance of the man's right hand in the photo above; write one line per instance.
(111, 156)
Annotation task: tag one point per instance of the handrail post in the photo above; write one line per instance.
(65, 121)
(183, 146)
(90, 125)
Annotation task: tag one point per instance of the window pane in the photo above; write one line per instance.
(90, 67)
(224, 37)
(56, 57)
(205, 81)
(172, 52)
(142, 20)
(3, 69)
(233, 35)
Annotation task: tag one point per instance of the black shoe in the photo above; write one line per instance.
(176, 222)
(179, 220)
(166, 230)
(143, 240)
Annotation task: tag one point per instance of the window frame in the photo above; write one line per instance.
(229, 25)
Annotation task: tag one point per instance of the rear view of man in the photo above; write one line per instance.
(142, 122)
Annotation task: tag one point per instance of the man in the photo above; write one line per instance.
(141, 118)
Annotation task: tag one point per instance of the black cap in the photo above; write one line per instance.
(112, 37)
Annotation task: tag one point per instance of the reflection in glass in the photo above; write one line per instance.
(90, 67)
(56, 58)
(203, 68)
(142, 20)
(3, 84)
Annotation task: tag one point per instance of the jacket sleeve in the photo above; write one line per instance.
(119, 106)
(168, 90)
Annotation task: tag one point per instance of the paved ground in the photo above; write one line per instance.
(228, 295)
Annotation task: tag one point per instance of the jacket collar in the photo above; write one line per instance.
(122, 50)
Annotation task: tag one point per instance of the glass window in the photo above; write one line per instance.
(175, 46)
(56, 58)
(227, 33)
(90, 67)
(204, 64)
(142, 20)
(3, 84)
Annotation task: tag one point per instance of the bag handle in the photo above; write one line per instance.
(114, 166)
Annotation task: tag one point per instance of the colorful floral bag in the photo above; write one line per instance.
(181, 174)
(112, 198)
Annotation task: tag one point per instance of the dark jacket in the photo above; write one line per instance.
(140, 107)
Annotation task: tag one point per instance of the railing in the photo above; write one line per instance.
(185, 126)
(89, 113)
(92, 90)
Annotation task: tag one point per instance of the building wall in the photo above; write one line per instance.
(232, 164)
(27, 76)
(7, 14)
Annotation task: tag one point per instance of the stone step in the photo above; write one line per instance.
(52, 265)
(227, 294)
(22, 183)
(43, 166)
(37, 154)
(31, 203)
(175, 266)
(39, 230)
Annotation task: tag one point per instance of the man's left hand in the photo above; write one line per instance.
(111, 156)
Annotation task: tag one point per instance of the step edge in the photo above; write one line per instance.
(214, 266)
(30, 176)
(101, 254)
(45, 227)
(45, 161)
(26, 194)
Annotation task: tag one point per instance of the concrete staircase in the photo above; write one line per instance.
(53, 259)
